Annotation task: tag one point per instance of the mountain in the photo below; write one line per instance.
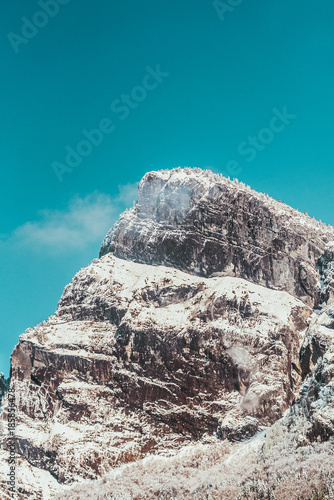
(204, 331)
(203, 223)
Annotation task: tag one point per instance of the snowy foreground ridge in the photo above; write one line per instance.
(193, 359)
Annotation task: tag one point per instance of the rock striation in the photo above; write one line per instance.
(194, 327)
(203, 223)
(139, 360)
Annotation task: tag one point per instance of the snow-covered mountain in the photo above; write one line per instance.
(205, 329)
(203, 223)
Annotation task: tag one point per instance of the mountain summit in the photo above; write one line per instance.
(204, 332)
(203, 223)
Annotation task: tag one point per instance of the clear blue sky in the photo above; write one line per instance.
(228, 69)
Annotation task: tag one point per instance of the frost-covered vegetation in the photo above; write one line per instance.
(208, 316)
(268, 468)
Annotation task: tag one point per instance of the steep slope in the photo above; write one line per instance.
(139, 360)
(170, 339)
(261, 468)
(203, 223)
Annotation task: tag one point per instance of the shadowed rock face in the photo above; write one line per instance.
(326, 271)
(203, 223)
(142, 358)
(313, 410)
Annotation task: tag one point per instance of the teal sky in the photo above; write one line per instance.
(223, 74)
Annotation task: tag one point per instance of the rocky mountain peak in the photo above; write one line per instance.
(203, 223)
(193, 330)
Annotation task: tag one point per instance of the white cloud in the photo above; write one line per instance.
(85, 221)
(127, 194)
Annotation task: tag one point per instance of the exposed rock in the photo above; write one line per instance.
(203, 223)
(141, 360)
(313, 410)
(32, 483)
(194, 328)
(4, 384)
(326, 270)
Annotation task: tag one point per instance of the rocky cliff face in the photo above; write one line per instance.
(170, 338)
(139, 360)
(203, 224)
(326, 272)
(313, 409)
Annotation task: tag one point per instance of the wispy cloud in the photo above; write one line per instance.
(84, 222)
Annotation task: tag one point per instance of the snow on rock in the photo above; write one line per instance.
(259, 468)
(203, 223)
(140, 359)
(326, 270)
(173, 354)
(313, 409)
(31, 482)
